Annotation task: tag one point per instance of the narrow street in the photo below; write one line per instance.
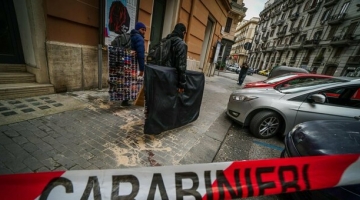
(239, 144)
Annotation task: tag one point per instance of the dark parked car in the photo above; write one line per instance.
(286, 69)
(250, 71)
(324, 137)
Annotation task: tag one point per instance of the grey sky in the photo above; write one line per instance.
(254, 8)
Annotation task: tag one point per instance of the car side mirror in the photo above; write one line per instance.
(318, 98)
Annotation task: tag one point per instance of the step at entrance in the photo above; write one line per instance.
(16, 82)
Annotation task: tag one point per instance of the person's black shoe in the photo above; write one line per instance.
(125, 103)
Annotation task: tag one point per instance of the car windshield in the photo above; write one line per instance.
(300, 87)
(279, 78)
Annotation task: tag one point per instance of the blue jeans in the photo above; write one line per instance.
(241, 78)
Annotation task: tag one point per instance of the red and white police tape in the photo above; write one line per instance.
(199, 181)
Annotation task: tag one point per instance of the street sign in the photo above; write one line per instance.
(247, 46)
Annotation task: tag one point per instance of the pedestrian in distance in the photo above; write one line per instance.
(138, 46)
(243, 72)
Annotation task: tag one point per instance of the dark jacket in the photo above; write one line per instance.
(178, 58)
(138, 45)
(244, 69)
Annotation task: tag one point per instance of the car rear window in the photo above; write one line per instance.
(300, 87)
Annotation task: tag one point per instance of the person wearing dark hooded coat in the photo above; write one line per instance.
(178, 54)
(138, 45)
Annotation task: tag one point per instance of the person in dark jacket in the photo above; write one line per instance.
(138, 45)
(178, 54)
(243, 72)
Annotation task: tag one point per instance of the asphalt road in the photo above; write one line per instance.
(239, 144)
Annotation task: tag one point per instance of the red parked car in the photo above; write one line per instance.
(285, 80)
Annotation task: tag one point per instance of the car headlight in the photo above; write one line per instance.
(243, 98)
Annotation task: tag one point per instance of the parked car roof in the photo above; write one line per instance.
(286, 69)
(327, 137)
(277, 81)
(289, 75)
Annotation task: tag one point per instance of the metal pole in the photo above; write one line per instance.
(101, 38)
(99, 66)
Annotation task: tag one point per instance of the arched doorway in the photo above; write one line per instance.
(330, 70)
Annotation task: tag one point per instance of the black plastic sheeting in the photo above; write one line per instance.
(166, 108)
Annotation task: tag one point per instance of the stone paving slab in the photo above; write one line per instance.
(103, 135)
(16, 110)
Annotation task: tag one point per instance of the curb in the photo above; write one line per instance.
(210, 143)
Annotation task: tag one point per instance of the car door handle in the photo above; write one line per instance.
(357, 118)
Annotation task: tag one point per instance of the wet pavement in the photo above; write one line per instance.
(90, 132)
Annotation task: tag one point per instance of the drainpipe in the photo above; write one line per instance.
(190, 19)
(101, 38)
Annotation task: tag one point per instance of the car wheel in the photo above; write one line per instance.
(265, 124)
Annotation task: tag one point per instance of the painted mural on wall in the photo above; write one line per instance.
(120, 16)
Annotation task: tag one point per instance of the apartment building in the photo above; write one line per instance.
(319, 35)
(61, 46)
(236, 15)
(244, 34)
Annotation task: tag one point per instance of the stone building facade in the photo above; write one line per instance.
(245, 32)
(319, 35)
(60, 42)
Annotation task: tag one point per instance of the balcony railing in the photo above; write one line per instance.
(354, 60)
(305, 61)
(314, 9)
(344, 40)
(237, 8)
(336, 19)
(280, 22)
(311, 43)
(329, 3)
(282, 47)
(334, 61)
(291, 4)
(277, 12)
(297, 45)
(299, 1)
(295, 30)
(284, 8)
(294, 16)
(281, 33)
(263, 29)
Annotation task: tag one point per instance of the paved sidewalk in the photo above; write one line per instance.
(98, 134)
